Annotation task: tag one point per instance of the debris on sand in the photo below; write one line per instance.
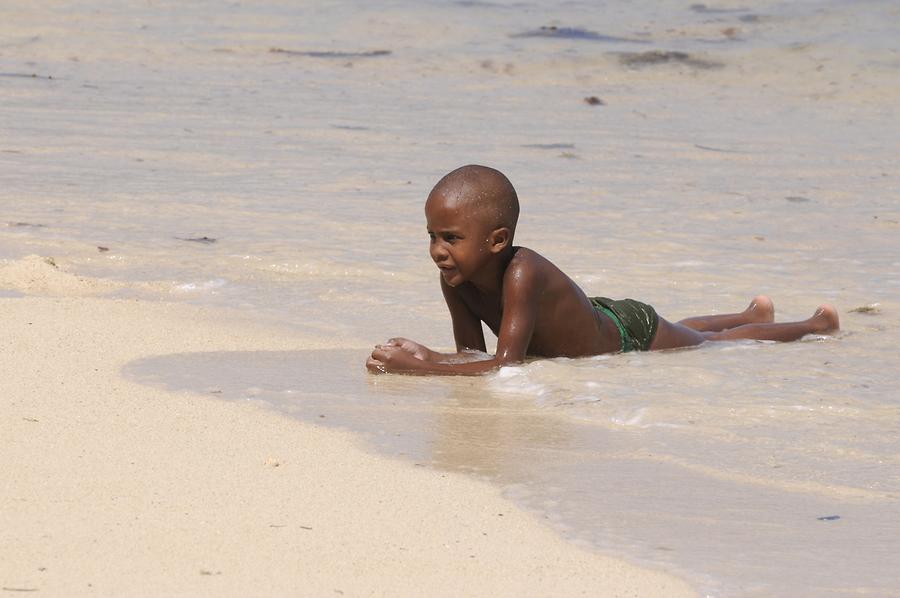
(657, 57)
(549, 145)
(872, 308)
(206, 240)
(27, 76)
(576, 33)
(24, 225)
(704, 9)
(331, 54)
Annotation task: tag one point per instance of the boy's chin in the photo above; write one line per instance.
(451, 277)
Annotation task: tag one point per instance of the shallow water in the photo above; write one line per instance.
(754, 485)
(763, 161)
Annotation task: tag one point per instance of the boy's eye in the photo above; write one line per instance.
(450, 238)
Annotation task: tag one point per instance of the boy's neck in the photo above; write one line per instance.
(489, 279)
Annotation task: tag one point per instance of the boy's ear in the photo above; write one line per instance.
(499, 238)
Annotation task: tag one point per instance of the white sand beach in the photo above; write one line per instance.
(209, 214)
(113, 489)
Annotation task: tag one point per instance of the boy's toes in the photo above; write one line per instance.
(827, 317)
(762, 309)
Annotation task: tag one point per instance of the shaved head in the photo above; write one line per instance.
(484, 192)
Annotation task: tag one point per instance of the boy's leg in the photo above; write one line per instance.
(675, 335)
(761, 310)
(824, 320)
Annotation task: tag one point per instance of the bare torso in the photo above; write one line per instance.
(565, 323)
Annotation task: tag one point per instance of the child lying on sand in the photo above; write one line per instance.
(532, 306)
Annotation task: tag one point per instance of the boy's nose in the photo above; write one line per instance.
(438, 253)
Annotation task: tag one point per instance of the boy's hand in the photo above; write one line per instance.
(393, 359)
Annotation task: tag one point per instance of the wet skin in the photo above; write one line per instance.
(530, 304)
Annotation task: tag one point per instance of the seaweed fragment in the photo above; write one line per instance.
(709, 148)
(658, 57)
(477, 4)
(330, 54)
(206, 240)
(704, 9)
(549, 145)
(25, 225)
(576, 33)
(27, 76)
(872, 308)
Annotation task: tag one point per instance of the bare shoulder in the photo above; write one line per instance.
(528, 266)
(525, 260)
(556, 312)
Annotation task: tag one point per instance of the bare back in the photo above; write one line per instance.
(536, 296)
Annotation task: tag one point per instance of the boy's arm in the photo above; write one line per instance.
(420, 351)
(521, 290)
(467, 331)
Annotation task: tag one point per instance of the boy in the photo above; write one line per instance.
(531, 305)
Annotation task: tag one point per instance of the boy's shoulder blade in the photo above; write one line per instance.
(526, 265)
(525, 258)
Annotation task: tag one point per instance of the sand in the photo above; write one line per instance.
(761, 161)
(112, 488)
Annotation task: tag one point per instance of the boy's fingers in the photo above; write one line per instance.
(375, 366)
(381, 352)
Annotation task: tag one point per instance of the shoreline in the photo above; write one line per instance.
(116, 488)
(250, 222)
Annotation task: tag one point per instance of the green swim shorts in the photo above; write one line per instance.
(637, 322)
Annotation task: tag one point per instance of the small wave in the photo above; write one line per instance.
(552, 381)
(634, 418)
(517, 380)
(202, 286)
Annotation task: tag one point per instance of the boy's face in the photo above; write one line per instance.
(460, 238)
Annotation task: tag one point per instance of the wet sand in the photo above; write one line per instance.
(112, 488)
(267, 163)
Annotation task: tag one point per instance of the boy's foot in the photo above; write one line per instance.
(825, 319)
(761, 310)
